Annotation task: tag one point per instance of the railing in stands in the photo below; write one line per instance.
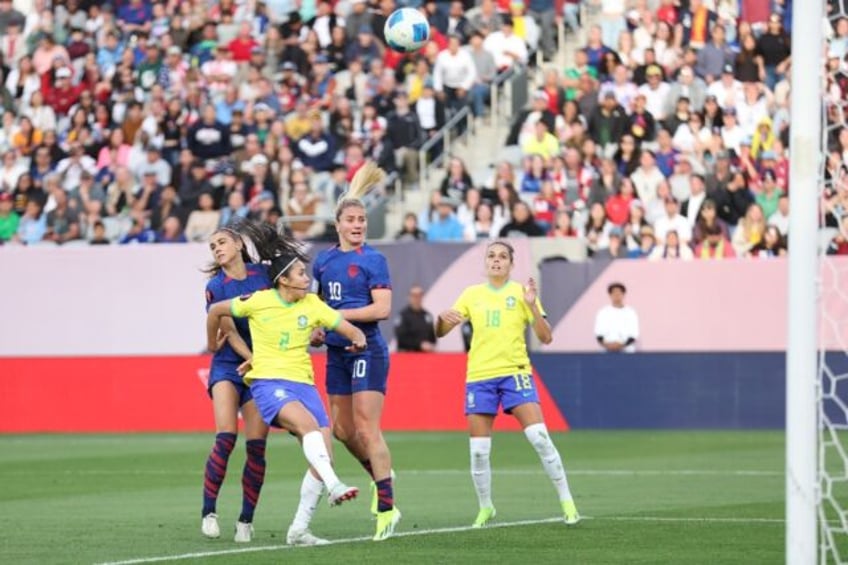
(442, 136)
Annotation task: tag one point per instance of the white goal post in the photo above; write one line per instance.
(802, 405)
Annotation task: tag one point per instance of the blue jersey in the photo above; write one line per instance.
(221, 287)
(345, 281)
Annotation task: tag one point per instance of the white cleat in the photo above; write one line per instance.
(209, 526)
(341, 493)
(303, 537)
(244, 532)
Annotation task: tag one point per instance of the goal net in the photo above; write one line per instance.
(832, 464)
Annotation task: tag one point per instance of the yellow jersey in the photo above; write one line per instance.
(499, 318)
(280, 332)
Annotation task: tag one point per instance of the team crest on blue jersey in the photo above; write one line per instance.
(302, 322)
(510, 302)
(352, 270)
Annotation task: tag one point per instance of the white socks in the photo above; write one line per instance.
(537, 435)
(481, 469)
(310, 493)
(316, 453)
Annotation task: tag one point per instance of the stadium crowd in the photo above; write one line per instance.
(141, 121)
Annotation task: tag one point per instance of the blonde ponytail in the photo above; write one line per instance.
(366, 178)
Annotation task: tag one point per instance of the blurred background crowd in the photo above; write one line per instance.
(664, 136)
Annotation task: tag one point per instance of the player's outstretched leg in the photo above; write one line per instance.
(216, 470)
(298, 420)
(537, 435)
(310, 493)
(481, 475)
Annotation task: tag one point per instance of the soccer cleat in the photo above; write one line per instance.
(209, 526)
(303, 537)
(244, 532)
(569, 512)
(386, 523)
(484, 517)
(341, 493)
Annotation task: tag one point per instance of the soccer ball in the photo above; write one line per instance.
(406, 30)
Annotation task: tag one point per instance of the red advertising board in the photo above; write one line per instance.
(156, 394)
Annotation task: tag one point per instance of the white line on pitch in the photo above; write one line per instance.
(463, 472)
(455, 529)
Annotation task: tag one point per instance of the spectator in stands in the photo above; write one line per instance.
(485, 71)
(617, 325)
(673, 221)
(505, 46)
(457, 181)
(414, 327)
(203, 221)
(63, 221)
(771, 245)
(522, 224)
(732, 199)
(208, 138)
(524, 125)
(839, 243)
(750, 231)
(608, 123)
(454, 74)
(714, 55)
(171, 232)
(9, 219)
(616, 249)
(671, 248)
(446, 226)
(406, 135)
(410, 231)
(691, 207)
(713, 244)
(484, 226)
(542, 143)
(780, 218)
(306, 204)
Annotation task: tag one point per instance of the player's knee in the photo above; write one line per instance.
(537, 435)
(367, 433)
(342, 433)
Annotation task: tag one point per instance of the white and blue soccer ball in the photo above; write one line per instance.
(407, 30)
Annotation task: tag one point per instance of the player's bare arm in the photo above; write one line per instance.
(228, 329)
(379, 309)
(354, 334)
(217, 312)
(446, 321)
(541, 327)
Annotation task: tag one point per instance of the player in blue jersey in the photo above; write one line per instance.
(232, 274)
(353, 277)
(499, 373)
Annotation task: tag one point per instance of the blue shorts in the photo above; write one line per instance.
(349, 372)
(217, 375)
(272, 394)
(484, 397)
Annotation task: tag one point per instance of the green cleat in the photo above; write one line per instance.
(569, 512)
(374, 499)
(386, 522)
(484, 517)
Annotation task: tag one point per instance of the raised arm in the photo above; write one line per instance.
(541, 327)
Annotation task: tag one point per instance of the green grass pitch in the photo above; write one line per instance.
(647, 497)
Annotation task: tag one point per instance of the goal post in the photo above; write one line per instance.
(806, 154)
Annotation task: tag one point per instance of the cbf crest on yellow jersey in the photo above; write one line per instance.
(280, 332)
(499, 317)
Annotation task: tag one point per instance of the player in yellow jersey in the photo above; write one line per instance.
(280, 373)
(499, 373)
